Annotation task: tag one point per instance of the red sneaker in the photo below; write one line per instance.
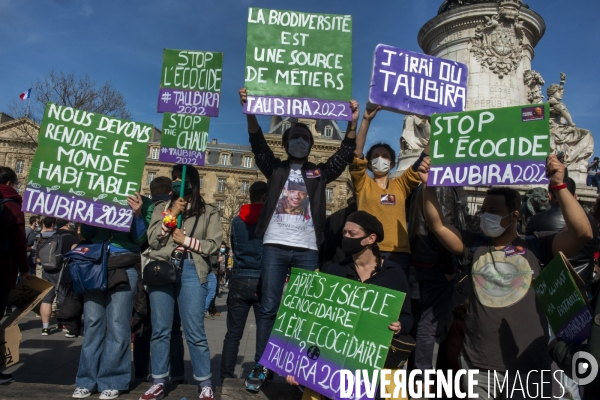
(156, 392)
(207, 393)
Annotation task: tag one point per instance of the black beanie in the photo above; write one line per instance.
(61, 222)
(368, 222)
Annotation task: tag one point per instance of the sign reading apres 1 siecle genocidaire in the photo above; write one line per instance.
(499, 146)
(184, 139)
(190, 82)
(326, 324)
(413, 83)
(85, 167)
(299, 64)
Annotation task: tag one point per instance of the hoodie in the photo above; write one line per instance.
(13, 242)
(246, 245)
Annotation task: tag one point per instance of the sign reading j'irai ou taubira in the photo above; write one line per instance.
(85, 167)
(327, 323)
(184, 138)
(557, 289)
(499, 146)
(190, 82)
(299, 64)
(413, 83)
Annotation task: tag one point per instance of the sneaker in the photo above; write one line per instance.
(207, 393)
(217, 314)
(71, 335)
(81, 393)
(156, 392)
(207, 315)
(5, 378)
(109, 394)
(257, 378)
(45, 331)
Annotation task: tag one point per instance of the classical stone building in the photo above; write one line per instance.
(18, 142)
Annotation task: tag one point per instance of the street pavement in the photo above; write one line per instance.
(48, 365)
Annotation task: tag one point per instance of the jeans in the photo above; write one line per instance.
(141, 350)
(105, 361)
(276, 261)
(242, 296)
(212, 290)
(191, 297)
(436, 299)
(590, 180)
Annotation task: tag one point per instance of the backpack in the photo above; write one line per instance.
(49, 255)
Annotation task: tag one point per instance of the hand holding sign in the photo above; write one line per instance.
(423, 170)
(555, 170)
(135, 202)
(370, 113)
(243, 95)
(178, 207)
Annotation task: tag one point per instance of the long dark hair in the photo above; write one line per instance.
(197, 203)
(375, 250)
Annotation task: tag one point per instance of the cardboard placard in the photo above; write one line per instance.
(190, 82)
(499, 146)
(184, 138)
(85, 167)
(327, 323)
(557, 288)
(24, 297)
(299, 64)
(413, 83)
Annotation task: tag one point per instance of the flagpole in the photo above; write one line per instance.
(28, 106)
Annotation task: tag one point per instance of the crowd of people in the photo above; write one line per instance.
(468, 291)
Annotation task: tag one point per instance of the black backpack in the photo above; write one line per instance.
(49, 253)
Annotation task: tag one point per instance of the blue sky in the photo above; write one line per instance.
(122, 41)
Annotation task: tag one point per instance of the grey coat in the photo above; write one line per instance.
(209, 232)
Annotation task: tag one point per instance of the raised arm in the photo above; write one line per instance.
(579, 231)
(361, 136)
(337, 163)
(253, 126)
(448, 235)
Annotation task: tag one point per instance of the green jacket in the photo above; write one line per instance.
(562, 352)
(209, 232)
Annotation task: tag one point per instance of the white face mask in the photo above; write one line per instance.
(298, 148)
(490, 224)
(380, 165)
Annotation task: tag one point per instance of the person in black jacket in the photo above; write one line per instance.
(292, 219)
(552, 220)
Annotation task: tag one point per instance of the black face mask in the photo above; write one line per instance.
(352, 245)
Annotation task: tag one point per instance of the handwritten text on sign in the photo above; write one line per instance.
(500, 146)
(86, 166)
(190, 82)
(327, 323)
(563, 303)
(414, 83)
(295, 60)
(184, 138)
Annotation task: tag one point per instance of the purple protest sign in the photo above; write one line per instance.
(181, 156)
(192, 102)
(488, 173)
(74, 207)
(413, 83)
(298, 107)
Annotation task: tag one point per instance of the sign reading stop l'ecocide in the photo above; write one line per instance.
(299, 64)
(85, 167)
(190, 82)
(500, 146)
(412, 83)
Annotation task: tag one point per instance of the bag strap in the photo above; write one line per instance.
(191, 235)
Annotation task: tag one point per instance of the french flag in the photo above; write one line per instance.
(25, 95)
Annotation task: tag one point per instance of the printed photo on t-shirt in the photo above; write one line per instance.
(293, 205)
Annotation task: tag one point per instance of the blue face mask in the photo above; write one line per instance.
(222, 250)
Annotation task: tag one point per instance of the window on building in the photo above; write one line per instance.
(201, 179)
(154, 152)
(221, 205)
(247, 162)
(244, 187)
(221, 185)
(20, 166)
(329, 194)
(328, 212)
(329, 131)
(151, 176)
(224, 159)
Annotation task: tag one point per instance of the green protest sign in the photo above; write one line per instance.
(557, 289)
(184, 138)
(326, 324)
(190, 82)
(499, 146)
(301, 56)
(85, 167)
